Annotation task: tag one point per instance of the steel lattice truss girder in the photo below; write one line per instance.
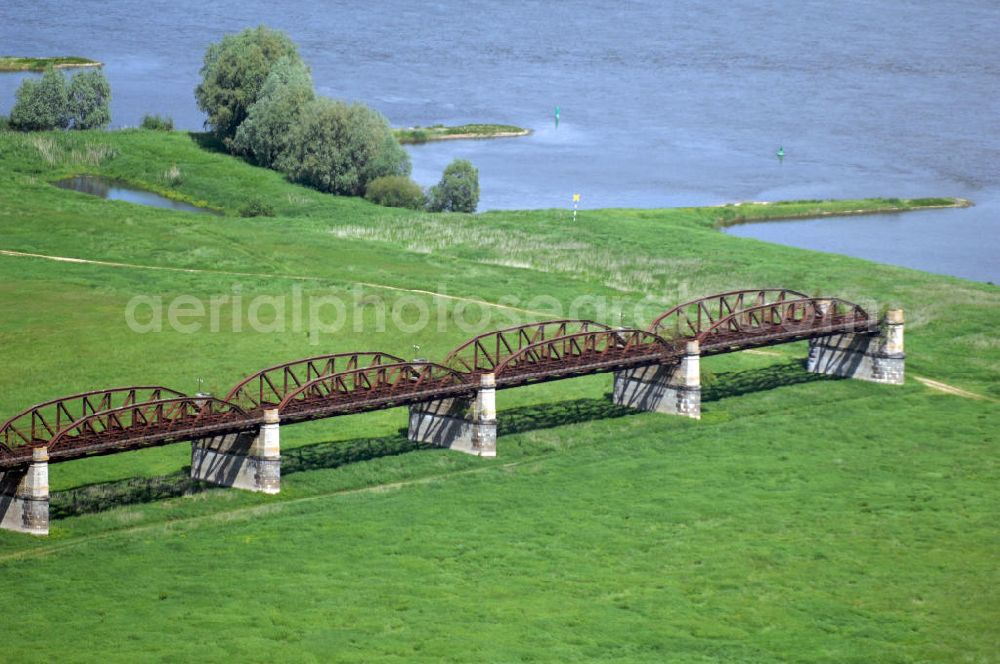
(120, 419)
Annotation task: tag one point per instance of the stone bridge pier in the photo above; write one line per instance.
(674, 389)
(24, 496)
(249, 460)
(873, 357)
(465, 425)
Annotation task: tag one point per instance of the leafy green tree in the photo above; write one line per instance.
(458, 190)
(339, 148)
(395, 191)
(233, 74)
(264, 135)
(41, 104)
(89, 100)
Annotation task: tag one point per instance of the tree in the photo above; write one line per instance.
(264, 135)
(89, 100)
(458, 190)
(41, 104)
(339, 148)
(233, 73)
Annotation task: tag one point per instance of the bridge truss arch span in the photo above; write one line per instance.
(40, 423)
(268, 387)
(689, 319)
(146, 424)
(485, 352)
(582, 353)
(372, 388)
(784, 321)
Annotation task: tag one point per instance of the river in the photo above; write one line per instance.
(662, 104)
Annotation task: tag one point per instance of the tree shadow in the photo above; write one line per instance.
(737, 383)
(206, 140)
(334, 454)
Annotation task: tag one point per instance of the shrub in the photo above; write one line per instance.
(264, 135)
(157, 122)
(89, 100)
(233, 73)
(257, 207)
(458, 190)
(4, 123)
(41, 104)
(173, 176)
(340, 148)
(395, 191)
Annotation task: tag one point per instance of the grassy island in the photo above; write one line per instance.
(754, 211)
(802, 519)
(412, 135)
(11, 63)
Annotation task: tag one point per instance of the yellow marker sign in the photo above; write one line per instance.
(576, 198)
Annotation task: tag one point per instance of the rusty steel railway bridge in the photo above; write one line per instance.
(128, 418)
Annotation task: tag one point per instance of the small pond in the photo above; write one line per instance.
(116, 190)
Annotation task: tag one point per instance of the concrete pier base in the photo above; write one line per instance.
(24, 496)
(464, 425)
(878, 358)
(670, 389)
(250, 461)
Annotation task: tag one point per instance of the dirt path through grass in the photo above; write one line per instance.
(191, 270)
(951, 389)
(928, 382)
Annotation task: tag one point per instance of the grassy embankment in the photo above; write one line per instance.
(802, 519)
(12, 63)
(411, 135)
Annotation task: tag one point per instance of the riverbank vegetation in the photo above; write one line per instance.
(157, 122)
(416, 135)
(258, 96)
(11, 63)
(803, 519)
(458, 190)
(261, 104)
(396, 191)
(82, 102)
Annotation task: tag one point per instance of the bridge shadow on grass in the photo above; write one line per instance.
(549, 415)
(334, 454)
(737, 383)
(138, 490)
(132, 491)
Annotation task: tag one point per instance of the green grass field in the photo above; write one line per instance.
(803, 519)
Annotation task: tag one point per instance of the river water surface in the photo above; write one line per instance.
(662, 104)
